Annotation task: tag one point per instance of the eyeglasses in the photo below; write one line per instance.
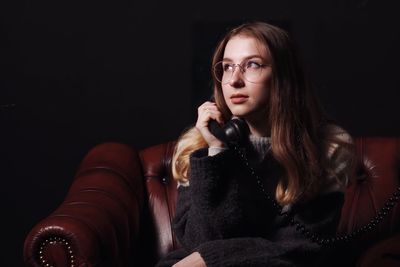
(251, 70)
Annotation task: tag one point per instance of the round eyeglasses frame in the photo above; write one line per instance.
(244, 68)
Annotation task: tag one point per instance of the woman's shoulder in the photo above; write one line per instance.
(338, 132)
(339, 150)
(336, 138)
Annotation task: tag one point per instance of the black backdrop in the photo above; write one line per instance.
(77, 73)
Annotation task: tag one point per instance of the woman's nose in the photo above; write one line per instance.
(237, 78)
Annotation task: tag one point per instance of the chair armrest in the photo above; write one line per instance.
(98, 223)
(385, 253)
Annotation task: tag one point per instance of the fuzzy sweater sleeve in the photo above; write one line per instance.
(208, 207)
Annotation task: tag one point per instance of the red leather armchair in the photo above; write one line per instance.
(119, 208)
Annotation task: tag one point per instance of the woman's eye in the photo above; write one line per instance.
(227, 67)
(253, 65)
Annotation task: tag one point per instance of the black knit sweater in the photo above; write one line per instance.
(224, 215)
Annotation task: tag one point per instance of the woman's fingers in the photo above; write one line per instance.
(206, 112)
(209, 110)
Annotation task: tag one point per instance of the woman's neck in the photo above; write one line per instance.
(258, 125)
(259, 131)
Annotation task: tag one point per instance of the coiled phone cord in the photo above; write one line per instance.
(316, 237)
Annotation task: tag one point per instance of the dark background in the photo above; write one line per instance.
(74, 74)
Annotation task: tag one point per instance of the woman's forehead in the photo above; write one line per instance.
(240, 47)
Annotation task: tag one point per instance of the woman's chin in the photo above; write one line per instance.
(240, 112)
(248, 114)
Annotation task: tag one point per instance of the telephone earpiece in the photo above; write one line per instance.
(234, 132)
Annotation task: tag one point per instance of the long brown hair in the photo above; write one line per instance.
(296, 118)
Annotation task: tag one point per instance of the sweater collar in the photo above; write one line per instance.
(260, 146)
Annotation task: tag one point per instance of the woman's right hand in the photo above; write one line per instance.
(206, 112)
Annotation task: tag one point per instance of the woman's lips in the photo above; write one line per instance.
(239, 99)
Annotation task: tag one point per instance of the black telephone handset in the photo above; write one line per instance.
(234, 132)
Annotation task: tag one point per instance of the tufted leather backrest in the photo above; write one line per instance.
(162, 193)
(377, 178)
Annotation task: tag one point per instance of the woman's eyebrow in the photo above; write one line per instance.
(246, 58)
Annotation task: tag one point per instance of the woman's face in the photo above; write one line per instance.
(247, 99)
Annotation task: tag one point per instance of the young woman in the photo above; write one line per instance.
(230, 214)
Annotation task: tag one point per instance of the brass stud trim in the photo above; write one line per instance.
(52, 241)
